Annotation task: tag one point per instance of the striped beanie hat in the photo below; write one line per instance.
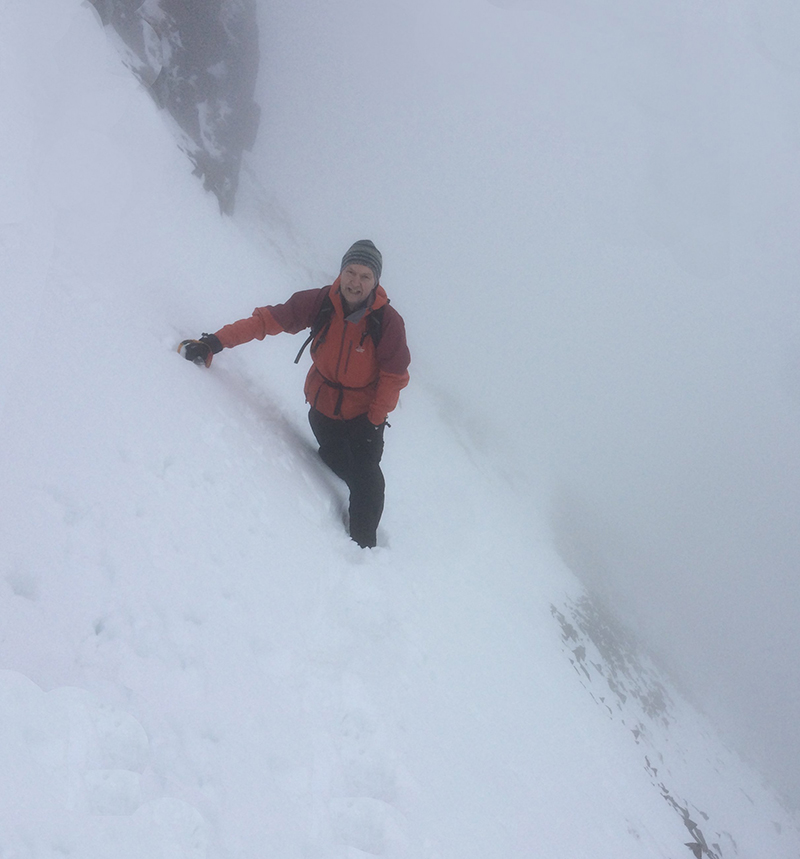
(364, 252)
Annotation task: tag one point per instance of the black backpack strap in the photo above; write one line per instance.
(303, 348)
(320, 324)
(375, 325)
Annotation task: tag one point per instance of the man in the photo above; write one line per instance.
(359, 366)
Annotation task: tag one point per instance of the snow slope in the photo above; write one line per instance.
(196, 661)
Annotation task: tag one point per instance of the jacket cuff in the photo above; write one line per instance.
(212, 341)
(376, 416)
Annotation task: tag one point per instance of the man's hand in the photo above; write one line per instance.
(201, 351)
(364, 428)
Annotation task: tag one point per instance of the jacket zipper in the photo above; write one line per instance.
(341, 352)
(347, 359)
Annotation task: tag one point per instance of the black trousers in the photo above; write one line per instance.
(352, 450)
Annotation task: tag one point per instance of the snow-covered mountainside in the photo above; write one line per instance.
(196, 661)
(199, 62)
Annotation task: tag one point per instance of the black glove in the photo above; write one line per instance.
(201, 351)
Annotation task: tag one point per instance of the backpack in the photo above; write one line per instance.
(374, 326)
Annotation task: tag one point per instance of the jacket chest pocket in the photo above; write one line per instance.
(360, 367)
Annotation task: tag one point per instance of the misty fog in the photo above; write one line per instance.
(588, 218)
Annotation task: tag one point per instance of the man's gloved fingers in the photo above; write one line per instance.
(204, 358)
(190, 349)
(196, 352)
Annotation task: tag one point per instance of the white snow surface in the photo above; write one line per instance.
(196, 660)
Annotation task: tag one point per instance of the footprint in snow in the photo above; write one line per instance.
(370, 825)
(368, 768)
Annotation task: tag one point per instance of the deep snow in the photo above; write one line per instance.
(196, 660)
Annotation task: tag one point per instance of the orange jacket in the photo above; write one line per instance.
(349, 375)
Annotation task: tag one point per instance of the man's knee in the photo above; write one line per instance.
(333, 444)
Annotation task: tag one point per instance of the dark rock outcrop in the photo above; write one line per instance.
(199, 60)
